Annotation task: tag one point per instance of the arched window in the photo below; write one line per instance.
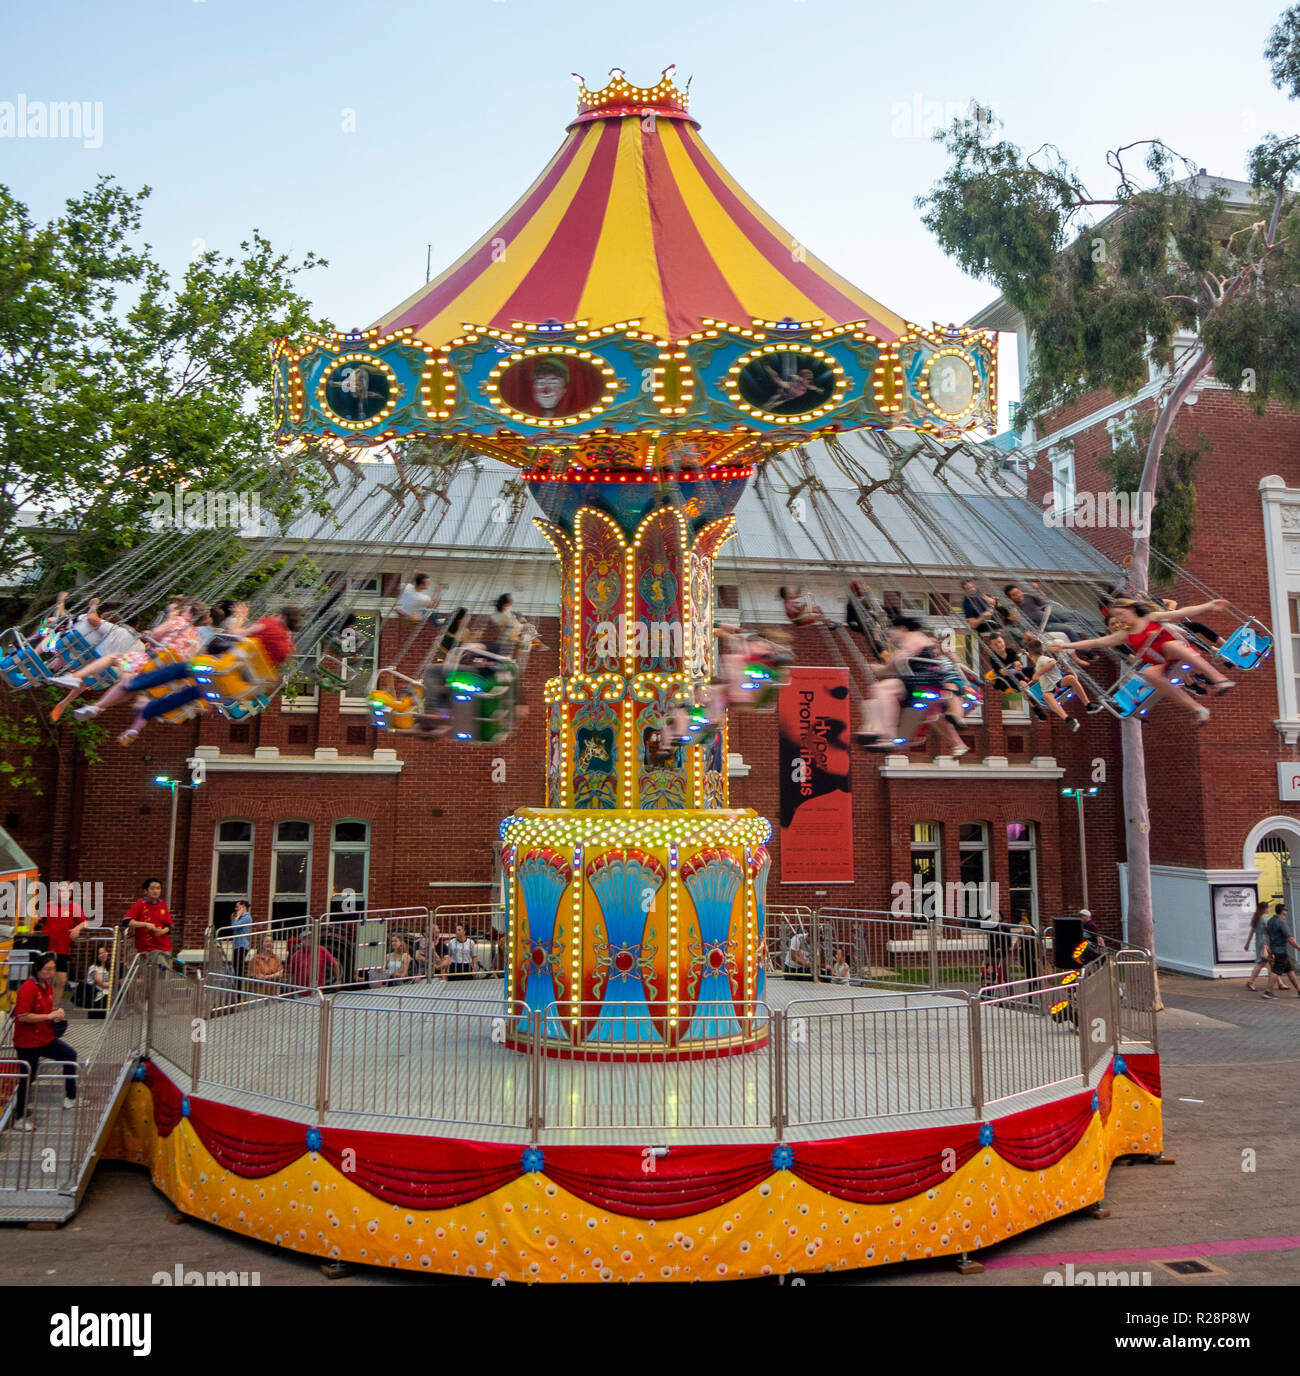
(973, 845)
(927, 869)
(349, 866)
(1022, 870)
(290, 873)
(232, 869)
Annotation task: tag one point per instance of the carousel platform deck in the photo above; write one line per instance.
(432, 1059)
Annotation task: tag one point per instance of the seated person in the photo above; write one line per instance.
(984, 614)
(417, 603)
(265, 964)
(1041, 614)
(800, 610)
(1053, 677)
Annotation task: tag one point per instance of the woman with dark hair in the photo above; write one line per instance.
(36, 1019)
(1258, 931)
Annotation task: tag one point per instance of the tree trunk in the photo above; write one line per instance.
(1137, 822)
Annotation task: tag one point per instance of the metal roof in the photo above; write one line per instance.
(932, 526)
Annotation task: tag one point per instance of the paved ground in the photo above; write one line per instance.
(1229, 1059)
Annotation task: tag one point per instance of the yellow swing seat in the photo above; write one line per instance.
(241, 672)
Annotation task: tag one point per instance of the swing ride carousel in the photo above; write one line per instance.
(635, 337)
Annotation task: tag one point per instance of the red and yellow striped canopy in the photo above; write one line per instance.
(634, 218)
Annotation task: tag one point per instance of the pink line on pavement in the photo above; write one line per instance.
(1175, 1253)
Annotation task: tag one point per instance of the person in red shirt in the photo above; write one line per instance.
(62, 924)
(275, 633)
(300, 963)
(150, 920)
(36, 1016)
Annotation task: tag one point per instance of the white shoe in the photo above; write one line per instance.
(91, 709)
(66, 681)
(69, 1103)
(28, 1126)
(959, 750)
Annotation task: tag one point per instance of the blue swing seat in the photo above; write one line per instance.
(1246, 646)
(72, 648)
(20, 665)
(249, 707)
(1130, 694)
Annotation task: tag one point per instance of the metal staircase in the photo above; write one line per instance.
(44, 1173)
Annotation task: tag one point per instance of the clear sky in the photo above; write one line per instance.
(236, 113)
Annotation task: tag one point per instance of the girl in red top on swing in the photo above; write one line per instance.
(1137, 623)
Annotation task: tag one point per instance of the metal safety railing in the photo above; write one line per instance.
(403, 1059)
(671, 1088)
(876, 1057)
(396, 1055)
(929, 951)
(336, 950)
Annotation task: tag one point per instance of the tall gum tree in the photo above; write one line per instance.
(1106, 282)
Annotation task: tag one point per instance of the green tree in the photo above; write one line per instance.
(117, 383)
(1174, 517)
(1105, 282)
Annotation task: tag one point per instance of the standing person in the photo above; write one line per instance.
(464, 955)
(36, 1018)
(241, 930)
(1258, 930)
(62, 924)
(150, 921)
(839, 968)
(1028, 944)
(1279, 942)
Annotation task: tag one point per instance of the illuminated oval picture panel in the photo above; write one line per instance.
(551, 386)
(359, 390)
(787, 384)
(951, 384)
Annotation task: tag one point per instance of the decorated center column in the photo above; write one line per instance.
(635, 922)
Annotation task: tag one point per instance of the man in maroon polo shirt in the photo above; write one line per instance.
(148, 919)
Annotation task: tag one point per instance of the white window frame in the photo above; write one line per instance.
(936, 848)
(279, 848)
(980, 848)
(1029, 845)
(220, 848)
(1063, 490)
(1282, 544)
(350, 848)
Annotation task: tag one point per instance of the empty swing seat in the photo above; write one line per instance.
(1130, 694)
(389, 713)
(249, 707)
(1246, 646)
